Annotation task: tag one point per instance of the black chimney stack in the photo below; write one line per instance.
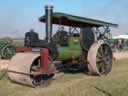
(48, 22)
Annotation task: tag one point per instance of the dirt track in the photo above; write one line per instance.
(4, 64)
(120, 55)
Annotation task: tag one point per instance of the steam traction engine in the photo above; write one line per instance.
(83, 46)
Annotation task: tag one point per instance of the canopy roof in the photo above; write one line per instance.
(76, 21)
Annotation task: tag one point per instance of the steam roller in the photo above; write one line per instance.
(80, 49)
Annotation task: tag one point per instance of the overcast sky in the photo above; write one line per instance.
(18, 16)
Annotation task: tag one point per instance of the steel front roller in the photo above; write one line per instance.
(22, 64)
(100, 58)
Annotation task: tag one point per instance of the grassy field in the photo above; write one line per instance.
(114, 84)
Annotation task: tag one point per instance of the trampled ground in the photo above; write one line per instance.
(114, 84)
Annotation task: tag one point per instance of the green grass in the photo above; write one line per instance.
(114, 84)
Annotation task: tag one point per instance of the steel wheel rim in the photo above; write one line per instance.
(104, 59)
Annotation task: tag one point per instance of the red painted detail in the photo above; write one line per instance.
(25, 49)
(44, 60)
(39, 72)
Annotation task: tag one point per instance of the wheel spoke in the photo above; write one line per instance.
(103, 69)
(100, 65)
(98, 60)
(108, 57)
(106, 51)
(99, 55)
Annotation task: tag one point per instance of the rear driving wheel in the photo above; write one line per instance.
(104, 59)
(100, 59)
